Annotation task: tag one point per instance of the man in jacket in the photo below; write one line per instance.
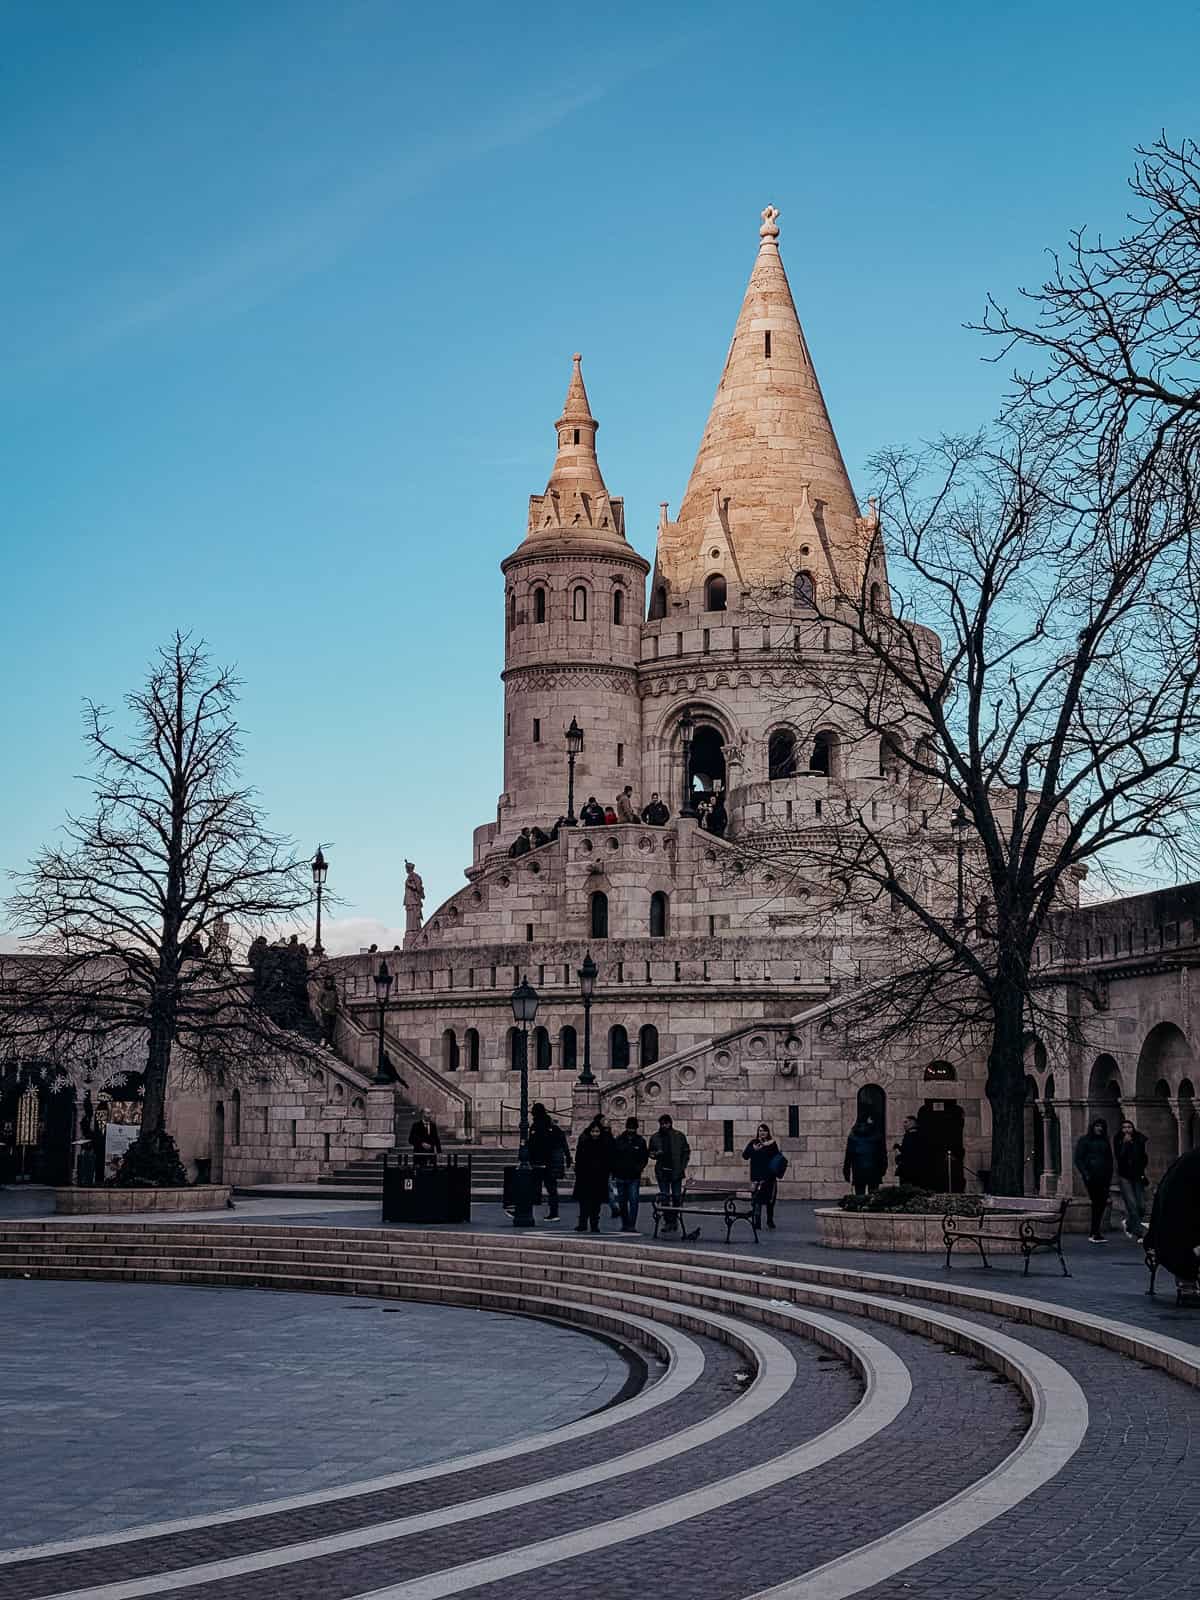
(423, 1136)
(549, 1151)
(1094, 1164)
(671, 1153)
(592, 815)
(1129, 1149)
(629, 1157)
(656, 813)
(626, 810)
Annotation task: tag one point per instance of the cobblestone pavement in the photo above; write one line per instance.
(1116, 1518)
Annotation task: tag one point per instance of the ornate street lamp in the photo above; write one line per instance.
(587, 987)
(320, 870)
(959, 822)
(687, 727)
(524, 1009)
(383, 987)
(574, 738)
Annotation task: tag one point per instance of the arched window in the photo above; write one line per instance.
(821, 758)
(539, 605)
(449, 1051)
(781, 754)
(471, 1040)
(658, 915)
(512, 609)
(647, 1045)
(599, 915)
(872, 1102)
(235, 1129)
(889, 758)
(568, 1049)
(516, 1048)
(618, 1048)
(541, 1049)
(658, 605)
(715, 593)
(579, 604)
(804, 590)
(618, 605)
(876, 600)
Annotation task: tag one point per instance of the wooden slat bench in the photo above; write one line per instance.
(1039, 1226)
(704, 1204)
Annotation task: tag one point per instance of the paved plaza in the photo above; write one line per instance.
(796, 1423)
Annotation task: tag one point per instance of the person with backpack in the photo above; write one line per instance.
(550, 1152)
(630, 1153)
(767, 1165)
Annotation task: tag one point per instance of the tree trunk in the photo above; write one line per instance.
(158, 1064)
(1006, 1094)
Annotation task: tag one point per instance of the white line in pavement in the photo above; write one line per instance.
(1042, 1453)
(685, 1365)
(774, 1378)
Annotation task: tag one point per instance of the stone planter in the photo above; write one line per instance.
(917, 1232)
(136, 1202)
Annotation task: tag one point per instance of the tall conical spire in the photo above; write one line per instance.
(576, 465)
(576, 506)
(769, 451)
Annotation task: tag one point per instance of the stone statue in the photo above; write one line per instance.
(414, 901)
(327, 1007)
(219, 943)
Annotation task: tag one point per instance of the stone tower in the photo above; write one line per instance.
(574, 603)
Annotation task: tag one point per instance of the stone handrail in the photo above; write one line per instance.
(452, 1105)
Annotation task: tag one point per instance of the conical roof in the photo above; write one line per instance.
(769, 454)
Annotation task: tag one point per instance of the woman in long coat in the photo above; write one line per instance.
(593, 1164)
(866, 1156)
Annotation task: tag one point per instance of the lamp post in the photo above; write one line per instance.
(687, 726)
(587, 987)
(574, 738)
(320, 870)
(383, 987)
(524, 1009)
(959, 823)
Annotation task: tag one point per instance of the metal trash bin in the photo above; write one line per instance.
(426, 1188)
(509, 1174)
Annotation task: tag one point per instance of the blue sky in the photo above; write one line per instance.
(291, 291)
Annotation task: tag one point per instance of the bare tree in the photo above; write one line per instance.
(1113, 334)
(174, 857)
(1029, 691)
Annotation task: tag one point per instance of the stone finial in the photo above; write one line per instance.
(770, 223)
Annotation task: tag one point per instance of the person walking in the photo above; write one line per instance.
(423, 1136)
(765, 1158)
(866, 1156)
(1094, 1164)
(630, 1154)
(671, 1153)
(550, 1153)
(593, 1162)
(1132, 1159)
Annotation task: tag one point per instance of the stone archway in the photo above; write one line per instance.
(1104, 1093)
(1164, 1064)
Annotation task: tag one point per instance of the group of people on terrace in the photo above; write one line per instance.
(711, 814)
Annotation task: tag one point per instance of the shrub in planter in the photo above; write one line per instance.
(150, 1163)
(906, 1199)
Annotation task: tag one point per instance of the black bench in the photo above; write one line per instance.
(1186, 1294)
(730, 1211)
(1040, 1228)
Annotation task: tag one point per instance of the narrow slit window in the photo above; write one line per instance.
(576, 435)
(767, 344)
(537, 730)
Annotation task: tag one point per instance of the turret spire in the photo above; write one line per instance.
(576, 506)
(769, 447)
(576, 465)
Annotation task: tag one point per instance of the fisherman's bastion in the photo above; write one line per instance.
(722, 979)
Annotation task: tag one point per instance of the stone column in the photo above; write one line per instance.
(585, 1102)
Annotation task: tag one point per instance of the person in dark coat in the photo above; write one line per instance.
(593, 1163)
(1094, 1164)
(521, 845)
(630, 1154)
(550, 1153)
(592, 815)
(1130, 1155)
(718, 818)
(656, 813)
(1174, 1232)
(866, 1156)
(424, 1137)
(761, 1153)
(671, 1153)
(914, 1157)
